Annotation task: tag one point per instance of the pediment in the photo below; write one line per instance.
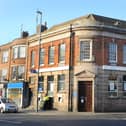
(85, 74)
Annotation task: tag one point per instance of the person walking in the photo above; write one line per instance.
(45, 102)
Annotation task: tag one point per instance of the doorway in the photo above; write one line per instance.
(85, 96)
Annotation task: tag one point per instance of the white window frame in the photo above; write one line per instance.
(112, 50)
(62, 47)
(90, 51)
(124, 53)
(113, 88)
(5, 56)
(61, 83)
(42, 56)
(18, 52)
(4, 73)
(51, 55)
(33, 58)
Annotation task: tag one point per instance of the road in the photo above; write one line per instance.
(24, 119)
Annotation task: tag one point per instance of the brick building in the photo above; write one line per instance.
(81, 66)
(13, 60)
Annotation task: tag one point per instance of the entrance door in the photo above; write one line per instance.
(84, 96)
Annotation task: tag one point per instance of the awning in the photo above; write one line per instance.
(15, 85)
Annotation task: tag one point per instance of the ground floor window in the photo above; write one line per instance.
(50, 85)
(112, 88)
(61, 82)
(41, 84)
(124, 85)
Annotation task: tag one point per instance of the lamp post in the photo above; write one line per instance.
(39, 15)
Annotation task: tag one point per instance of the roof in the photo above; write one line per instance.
(92, 19)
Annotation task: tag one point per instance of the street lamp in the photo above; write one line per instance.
(39, 15)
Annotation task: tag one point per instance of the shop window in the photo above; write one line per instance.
(112, 88)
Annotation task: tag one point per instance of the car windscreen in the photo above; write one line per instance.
(4, 100)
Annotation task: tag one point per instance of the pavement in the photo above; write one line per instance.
(89, 115)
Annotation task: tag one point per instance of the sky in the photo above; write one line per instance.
(21, 14)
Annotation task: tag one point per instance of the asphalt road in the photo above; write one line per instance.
(24, 119)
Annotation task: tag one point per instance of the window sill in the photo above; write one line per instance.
(113, 97)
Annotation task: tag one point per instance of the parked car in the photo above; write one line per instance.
(7, 105)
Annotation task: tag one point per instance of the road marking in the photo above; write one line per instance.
(12, 122)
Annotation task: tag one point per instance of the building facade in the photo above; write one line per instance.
(80, 64)
(13, 71)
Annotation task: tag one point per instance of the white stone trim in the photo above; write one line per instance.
(117, 68)
(53, 69)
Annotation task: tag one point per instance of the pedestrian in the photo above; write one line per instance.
(45, 102)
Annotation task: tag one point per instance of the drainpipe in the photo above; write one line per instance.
(70, 95)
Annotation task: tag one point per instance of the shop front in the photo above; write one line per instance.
(18, 92)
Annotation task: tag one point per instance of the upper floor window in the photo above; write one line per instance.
(62, 49)
(42, 54)
(32, 58)
(112, 52)
(85, 50)
(32, 79)
(19, 52)
(4, 73)
(18, 72)
(51, 54)
(124, 54)
(5, 56)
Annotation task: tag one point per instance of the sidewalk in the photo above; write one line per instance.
(86, 114)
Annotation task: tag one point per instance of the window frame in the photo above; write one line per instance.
(61, 82)
(17, 53)
(83, 52)
(5, 56)
(113, 88)
(62, 52)
(124, 54)
(112, 51)
(16, 73)
(42, 56)
(41, 84)
(32, 58)
(51, 55)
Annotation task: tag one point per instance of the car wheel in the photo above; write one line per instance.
(1, 110)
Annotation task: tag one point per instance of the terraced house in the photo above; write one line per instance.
(13, 81)
(80, 64)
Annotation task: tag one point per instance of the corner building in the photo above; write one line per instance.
(82, 65)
